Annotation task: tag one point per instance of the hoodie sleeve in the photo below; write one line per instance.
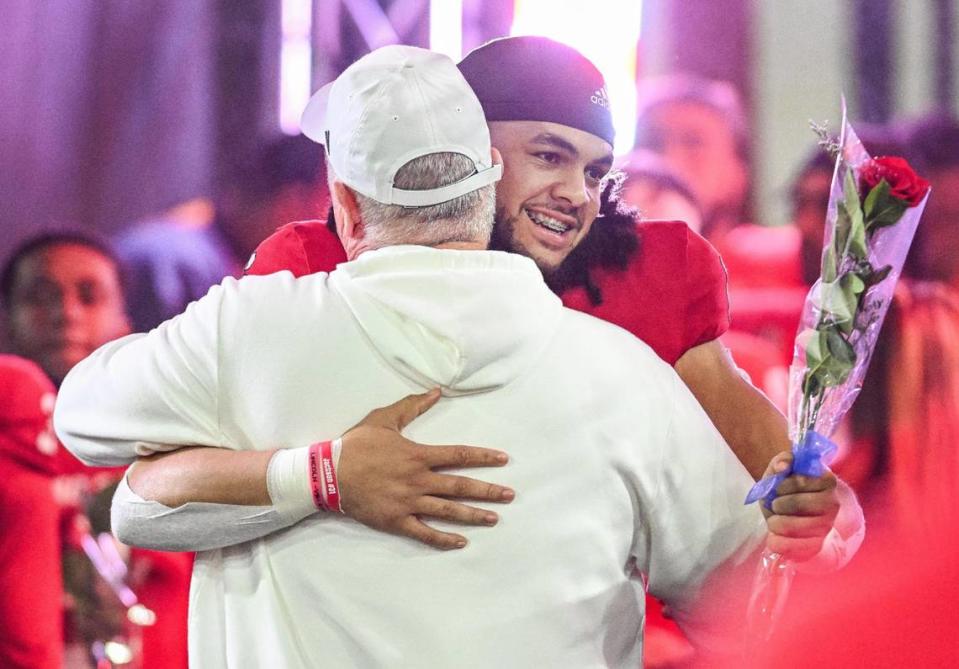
(696, 521)
(146, 389)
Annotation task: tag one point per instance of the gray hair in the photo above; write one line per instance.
(467, 218)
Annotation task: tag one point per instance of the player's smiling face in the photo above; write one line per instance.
(549, 195)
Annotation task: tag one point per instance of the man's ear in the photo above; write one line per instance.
(345, 210)
(496, 156)
(349, 222)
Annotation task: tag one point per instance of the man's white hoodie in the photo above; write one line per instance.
(616, 467)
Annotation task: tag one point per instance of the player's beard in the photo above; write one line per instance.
(504, 239)
(502, 235)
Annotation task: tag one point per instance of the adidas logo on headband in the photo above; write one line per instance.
(600, 98)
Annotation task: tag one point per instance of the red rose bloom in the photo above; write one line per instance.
(904, 183)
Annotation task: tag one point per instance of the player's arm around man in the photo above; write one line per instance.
(203, 498)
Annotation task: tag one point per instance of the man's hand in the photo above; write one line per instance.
(388, 482)
(802, 514)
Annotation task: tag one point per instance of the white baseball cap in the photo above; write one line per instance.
(391, 106)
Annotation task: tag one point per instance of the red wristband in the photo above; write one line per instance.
(331, 491)
(316, 486)
(323, 485)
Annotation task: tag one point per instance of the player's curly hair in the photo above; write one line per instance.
(609, 244)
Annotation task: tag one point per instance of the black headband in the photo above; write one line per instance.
(537, 79)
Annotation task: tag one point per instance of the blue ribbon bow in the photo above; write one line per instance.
(809, 459)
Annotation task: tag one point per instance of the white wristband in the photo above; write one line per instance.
(288, 482)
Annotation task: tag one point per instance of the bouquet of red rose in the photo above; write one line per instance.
(874, 208)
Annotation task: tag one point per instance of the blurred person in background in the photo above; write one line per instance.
(809, 200)
(63, 297)
(700, 129)
(934, 140)
(905, 424)
(173, 258)
(657, 191)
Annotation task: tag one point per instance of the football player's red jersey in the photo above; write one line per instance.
(31, 589)
(672, 295)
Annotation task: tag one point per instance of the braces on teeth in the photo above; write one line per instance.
(547, 222)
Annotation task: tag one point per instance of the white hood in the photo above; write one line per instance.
(466, 321)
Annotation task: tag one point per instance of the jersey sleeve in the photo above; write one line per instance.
(707, 299)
